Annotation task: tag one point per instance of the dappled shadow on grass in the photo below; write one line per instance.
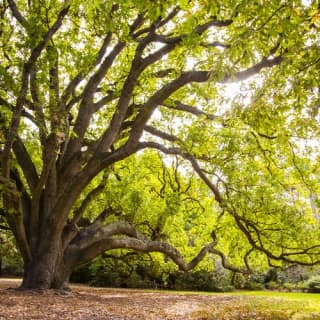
(86, 303)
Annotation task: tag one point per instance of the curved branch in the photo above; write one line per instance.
(194, 163)
(85, 203)
(226, 264)
(103, 241)
(241, 223)
(87, 108)
(72, 230)
(190, 109)
(159, 97)
(185, 78)
(246, 258)
(249, 72)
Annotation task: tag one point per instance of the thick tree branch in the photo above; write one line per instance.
(49, 158)
(28, 66)
(103, 101)
(14, 124)
(187, 77)
(17, 14)
(72, 230)
(39, 115)
(36, 52)
(25, 162)
(161, 134)
(102, 241)
(245, 74)
(170, 45)
(139, 65)
(86, 109)
(80, 76)
(158, 98)
(87, 200)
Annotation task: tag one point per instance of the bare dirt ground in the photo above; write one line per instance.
(87, 303)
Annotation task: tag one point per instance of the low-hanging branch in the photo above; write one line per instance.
(103, 240)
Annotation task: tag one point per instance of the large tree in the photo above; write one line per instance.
(87, 84)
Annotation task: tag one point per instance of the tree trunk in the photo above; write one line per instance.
(38, 275)
(47, 270)
(45, 274)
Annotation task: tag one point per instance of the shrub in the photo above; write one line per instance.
(313, 284)
(199, 281)
(253, 285)
(290, 286)
(11, 261)
(254, 281)
(273, 285)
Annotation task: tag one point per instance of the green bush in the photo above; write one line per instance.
(273, 285)
(199, 281)
(254, 285)
(132, 272)
(290, 286)
(253, 281)
(11, 261)
(313, 284)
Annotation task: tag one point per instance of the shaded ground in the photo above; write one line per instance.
(86, 303)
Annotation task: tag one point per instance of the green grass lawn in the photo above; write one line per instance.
(262, 305)
(278, 305)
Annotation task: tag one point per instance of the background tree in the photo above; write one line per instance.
(84, 86)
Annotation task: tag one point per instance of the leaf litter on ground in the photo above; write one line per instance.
(88, 303)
